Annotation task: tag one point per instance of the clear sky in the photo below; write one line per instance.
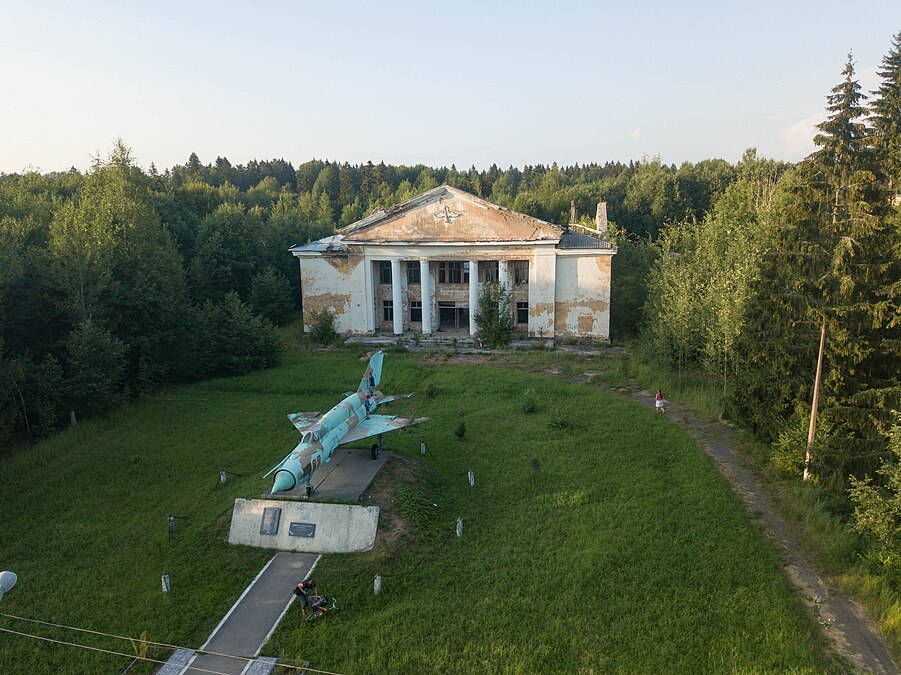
(438, 83)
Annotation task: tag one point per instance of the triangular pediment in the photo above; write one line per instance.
(447, 214)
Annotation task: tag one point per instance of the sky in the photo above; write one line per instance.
(464, 83)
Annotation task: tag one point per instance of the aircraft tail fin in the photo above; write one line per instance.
(373, 375)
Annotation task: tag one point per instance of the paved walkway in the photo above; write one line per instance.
(247, 626)
(253, 618)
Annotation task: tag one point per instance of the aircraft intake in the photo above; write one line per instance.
(284, 480)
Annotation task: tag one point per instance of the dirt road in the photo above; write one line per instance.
(843, 621)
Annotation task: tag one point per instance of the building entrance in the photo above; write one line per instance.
(452, 317)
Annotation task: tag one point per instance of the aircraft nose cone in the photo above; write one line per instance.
(284, 480)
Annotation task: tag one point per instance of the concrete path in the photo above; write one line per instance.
(253, 618)
(241, 634)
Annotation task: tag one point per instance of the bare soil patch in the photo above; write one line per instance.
(393, 530)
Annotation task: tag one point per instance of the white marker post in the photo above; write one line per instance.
(421, 447)
(459, 527)
(377, 584)
(472, 478)
(166, 587)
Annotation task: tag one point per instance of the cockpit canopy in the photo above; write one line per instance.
(314, 435)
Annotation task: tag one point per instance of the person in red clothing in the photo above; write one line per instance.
(660, 402)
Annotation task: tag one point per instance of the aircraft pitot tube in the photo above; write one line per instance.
(351, 420)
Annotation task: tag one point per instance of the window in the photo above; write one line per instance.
(384, 271)
(413, 273)
(520, 272)
(488, 271)
(451, 272)
(522, 312)
(388, 310)
(415, 311)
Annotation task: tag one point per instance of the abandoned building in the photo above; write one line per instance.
(417, 267)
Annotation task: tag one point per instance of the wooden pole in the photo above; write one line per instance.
(816, 399)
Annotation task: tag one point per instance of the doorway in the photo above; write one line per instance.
(452, 317)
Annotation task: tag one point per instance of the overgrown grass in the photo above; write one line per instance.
(690, 387)
(598, 537)
(820, 519)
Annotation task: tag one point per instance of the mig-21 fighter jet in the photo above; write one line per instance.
(351, 420)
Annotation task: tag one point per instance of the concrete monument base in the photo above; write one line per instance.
(303, 526)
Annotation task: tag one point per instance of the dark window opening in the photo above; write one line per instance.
(388, 310)
(413, 273)
(384, 271)
(415, 311)
(452, 272)
(489, 271)
(520, 272)
(522, 312)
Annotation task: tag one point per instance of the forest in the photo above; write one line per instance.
(119, 279)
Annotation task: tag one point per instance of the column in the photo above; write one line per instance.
(473, 295)
(503, 278)
(425, 284)
(397, 298)
(503, 274)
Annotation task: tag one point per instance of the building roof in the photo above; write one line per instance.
(448, 215)
(572, 239)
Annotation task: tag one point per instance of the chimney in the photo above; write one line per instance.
(572, 211)
(600, 220)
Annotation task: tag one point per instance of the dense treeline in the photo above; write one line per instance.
(743, 294)
(118, 279)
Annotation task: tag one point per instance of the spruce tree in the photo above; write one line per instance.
(829, 260)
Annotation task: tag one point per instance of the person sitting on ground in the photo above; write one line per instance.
(660, 402)
(301, 592)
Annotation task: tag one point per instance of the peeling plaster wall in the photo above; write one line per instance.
(582, 301)
(542, 282)
(336, 283)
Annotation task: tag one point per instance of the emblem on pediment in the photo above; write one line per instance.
(447, 214)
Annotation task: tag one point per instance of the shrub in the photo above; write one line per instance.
(494, 316)
(322, 328)
(877, 509)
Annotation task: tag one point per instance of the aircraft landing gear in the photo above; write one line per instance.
(309, 490)
(377, 448)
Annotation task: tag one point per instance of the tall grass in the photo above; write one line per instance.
(598, 537)
(821, 519)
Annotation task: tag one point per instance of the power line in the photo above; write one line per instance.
(98, 649)
(130, 639)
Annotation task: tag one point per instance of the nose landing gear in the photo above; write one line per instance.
(376, 448)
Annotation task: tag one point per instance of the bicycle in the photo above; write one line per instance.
(318, 604)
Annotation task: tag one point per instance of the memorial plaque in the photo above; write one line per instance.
(302, 530)
(271, 517)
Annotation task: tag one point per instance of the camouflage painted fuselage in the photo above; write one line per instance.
(319, 442)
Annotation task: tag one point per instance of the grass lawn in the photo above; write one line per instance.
(598, 538)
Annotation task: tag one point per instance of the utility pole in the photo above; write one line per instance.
(816, 399)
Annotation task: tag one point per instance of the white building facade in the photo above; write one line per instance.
(418, 267)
